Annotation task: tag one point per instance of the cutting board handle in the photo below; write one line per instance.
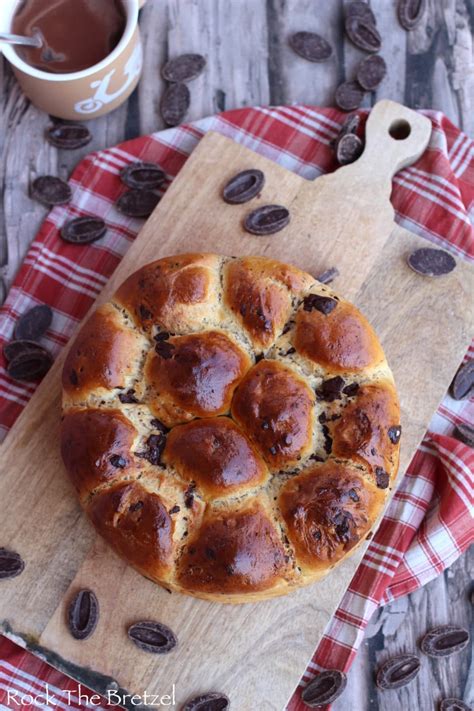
(394, 138)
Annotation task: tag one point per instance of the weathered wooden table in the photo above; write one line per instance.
(249, 63)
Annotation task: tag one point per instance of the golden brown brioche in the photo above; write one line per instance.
(231, 425)
(194, 376)
(234, 551)
(335, 335)
(179, 293)
(260, 293)
(327, 509)
(96, 447)
(104, 356)
(137, 524)
(215, 453)
(274, 406)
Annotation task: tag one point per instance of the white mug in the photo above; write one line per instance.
(91, 92)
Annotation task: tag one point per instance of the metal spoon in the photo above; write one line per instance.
(35, 41)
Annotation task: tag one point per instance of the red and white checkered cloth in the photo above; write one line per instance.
(26, 682)
(428, 523)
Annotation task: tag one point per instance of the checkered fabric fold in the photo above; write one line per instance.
(429, 521)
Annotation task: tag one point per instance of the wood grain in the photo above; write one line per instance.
(397, 629)
(431, 67)
(255, 650)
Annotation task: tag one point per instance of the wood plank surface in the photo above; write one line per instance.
(254, 651)
(431, 67)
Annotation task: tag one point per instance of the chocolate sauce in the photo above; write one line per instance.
(76, 33)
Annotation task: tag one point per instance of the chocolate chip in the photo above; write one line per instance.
(210, 553)
(265, 425)
(11, 564)
(161, 336)
(267, 220)
(273, 450)
(381, 477)
(16, 348)
(330, 389)
(350, 125)
(310, 46)
(189, 495)
(145, 313)
(349, 95)
(30, 366)
(394, 434)
(165, 350)
(243, 187)
(175, 104)
(363, 33)
(325, 688)
(117, 461)
(353, 495)
(137, 203)
(83, 230)
(328, 276)
(464, 433)
(83, 614)
(174, 509)
(158, 425)
(462, 386)
(34, 323)
(73, 377)
(324, 304)
(398, 671)
(152, 637)
(184, 68)
(444, 640)
(128, 397)
(327, 439)
(68, 136)
(453, 704)
(155, 445)
(371, 72)
(351, 389)
(212, 701)
(431, 262)
(142, 176)
(342, 529)
(410, 13)
(137, 506)
(349, 149)
(155, 440)
(50, 190)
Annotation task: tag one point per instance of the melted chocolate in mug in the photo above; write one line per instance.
(76, 33)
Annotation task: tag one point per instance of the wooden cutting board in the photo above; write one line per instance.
(254, 652)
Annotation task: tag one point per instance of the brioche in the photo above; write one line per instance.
(230, 425)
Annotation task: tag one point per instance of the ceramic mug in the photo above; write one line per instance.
(91, 92)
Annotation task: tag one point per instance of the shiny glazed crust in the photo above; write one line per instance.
(230, 425)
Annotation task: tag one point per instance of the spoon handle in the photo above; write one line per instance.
(20, 39)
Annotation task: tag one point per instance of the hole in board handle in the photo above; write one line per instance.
(399, 129)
